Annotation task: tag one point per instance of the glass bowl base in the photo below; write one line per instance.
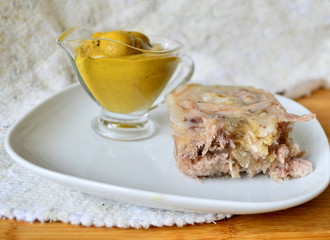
(124, 131)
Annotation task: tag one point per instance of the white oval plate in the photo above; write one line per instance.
(55, 141)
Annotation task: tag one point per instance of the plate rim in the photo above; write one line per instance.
(234, 207)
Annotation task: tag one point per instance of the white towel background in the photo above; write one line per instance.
(282, 46)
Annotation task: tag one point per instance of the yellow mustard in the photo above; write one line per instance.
(121, 77)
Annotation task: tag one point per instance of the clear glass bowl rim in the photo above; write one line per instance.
(63, 40)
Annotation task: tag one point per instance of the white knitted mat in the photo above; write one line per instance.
(277, 45)
(27, 197)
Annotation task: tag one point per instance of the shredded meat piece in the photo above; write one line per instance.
(226, 130)
(288, 117)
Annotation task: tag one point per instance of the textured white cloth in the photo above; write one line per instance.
(27, 197)
(282, 46)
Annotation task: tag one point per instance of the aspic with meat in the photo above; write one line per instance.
(227, 130)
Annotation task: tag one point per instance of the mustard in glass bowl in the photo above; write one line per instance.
(127, 74)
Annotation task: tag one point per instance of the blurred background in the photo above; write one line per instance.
(282, 46)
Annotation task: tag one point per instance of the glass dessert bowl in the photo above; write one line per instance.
(127, 74)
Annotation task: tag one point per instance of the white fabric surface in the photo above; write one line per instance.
(282, 46)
